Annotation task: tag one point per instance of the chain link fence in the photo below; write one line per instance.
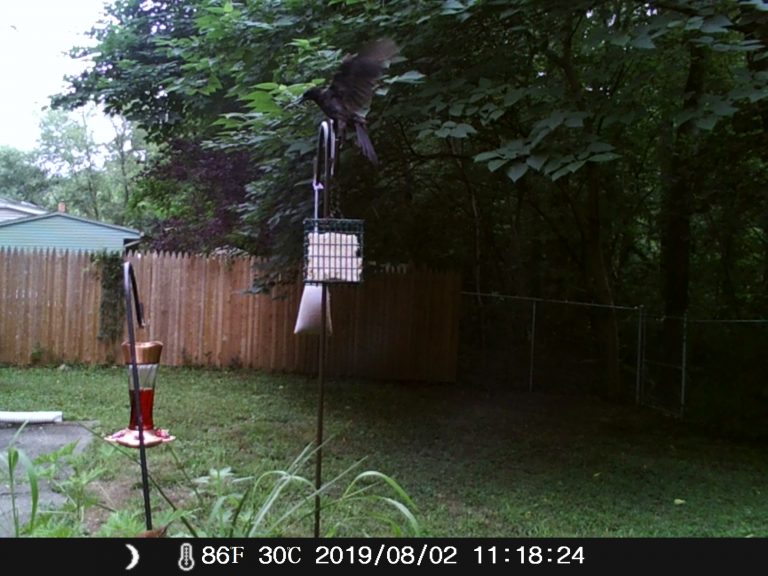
(709, 371)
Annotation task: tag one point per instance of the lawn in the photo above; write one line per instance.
(474, 462)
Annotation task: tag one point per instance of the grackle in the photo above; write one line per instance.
(347, 97)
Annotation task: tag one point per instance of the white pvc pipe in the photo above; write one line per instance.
(36, 417)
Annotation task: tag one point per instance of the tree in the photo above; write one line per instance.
(93, 178)
(559, 149)
(20, 178)
(189, 198)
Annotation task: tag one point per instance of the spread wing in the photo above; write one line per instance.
(356, 79)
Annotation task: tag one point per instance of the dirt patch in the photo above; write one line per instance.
(112, 495)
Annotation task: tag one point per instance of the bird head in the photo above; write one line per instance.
(311, 94)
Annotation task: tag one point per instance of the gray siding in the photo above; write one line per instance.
(11, 213)
(64, 233)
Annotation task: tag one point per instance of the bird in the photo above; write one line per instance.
(346, 99)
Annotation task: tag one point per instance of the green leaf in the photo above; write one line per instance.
(513, 96)
(410, 77)
(453, 7)
(707, 122)
(575, 119)
(517, 171)
(683, 116)
(445, 130)
(257, 24)
(555, 119)
(477, 95)
(555, 163)
(716, 24)
(536, 161)
(620, 40)
(759, 4)
(604, 157)
(513, 148)
(462, 131)
(722, 107)
(267, 86)
(494, 165)
(34, 488)
(568, 169)
(485, 156)
(598, 147)
(260, 101)
(694, 23)
(643, 41)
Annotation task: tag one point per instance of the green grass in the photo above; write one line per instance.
(474, 462)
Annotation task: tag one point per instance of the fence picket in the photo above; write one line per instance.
(396, 325)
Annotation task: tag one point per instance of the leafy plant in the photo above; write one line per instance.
(10, 461)
(111, 306)
(276, 502)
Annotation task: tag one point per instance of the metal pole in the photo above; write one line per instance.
(639, 368)
(533, 346)
(684, 364)
(129, 285)
(326, 144)
(320, 401)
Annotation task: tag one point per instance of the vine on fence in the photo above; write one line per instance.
(111, 314)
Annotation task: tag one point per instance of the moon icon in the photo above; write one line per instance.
(134, 557)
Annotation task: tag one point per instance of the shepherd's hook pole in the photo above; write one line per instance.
(326, 150)
(131, 299)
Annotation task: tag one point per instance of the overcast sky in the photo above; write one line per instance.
(35, 36)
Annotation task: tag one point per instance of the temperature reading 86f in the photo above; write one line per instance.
(222, 554)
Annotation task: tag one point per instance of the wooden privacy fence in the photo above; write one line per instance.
(396, 325)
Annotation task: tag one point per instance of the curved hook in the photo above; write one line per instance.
(325, 159)
(129, 285)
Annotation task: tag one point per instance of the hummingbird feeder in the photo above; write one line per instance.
(142, 359)
(147, 362)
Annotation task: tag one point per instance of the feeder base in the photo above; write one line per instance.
(130, 438)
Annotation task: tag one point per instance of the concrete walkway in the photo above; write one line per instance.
(34, 440)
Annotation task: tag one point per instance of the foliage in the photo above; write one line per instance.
(600, 151)
(20, 177)
(93, 179)
(552, 97)
(10, 462)
(189, 198)
(277, 502)
(226, 506)
(112, 305)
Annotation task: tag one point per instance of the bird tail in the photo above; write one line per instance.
(364, 141)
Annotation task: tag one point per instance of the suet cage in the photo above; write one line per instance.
(333, 251)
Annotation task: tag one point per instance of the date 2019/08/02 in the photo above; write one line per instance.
(387, 554)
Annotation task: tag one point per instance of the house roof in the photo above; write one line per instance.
(64, 231)
(12, 209)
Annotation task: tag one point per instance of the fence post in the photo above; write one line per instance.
(640, 349)
(684, 364)
(533, 346)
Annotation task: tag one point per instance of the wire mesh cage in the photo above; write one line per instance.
(333, 251)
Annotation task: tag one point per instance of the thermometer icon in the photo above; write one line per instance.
(186, 562)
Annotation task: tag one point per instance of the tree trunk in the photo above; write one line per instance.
(604, 320)
(678, 151)
(605, 323)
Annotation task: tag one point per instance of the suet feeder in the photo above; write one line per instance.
(333, 251)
